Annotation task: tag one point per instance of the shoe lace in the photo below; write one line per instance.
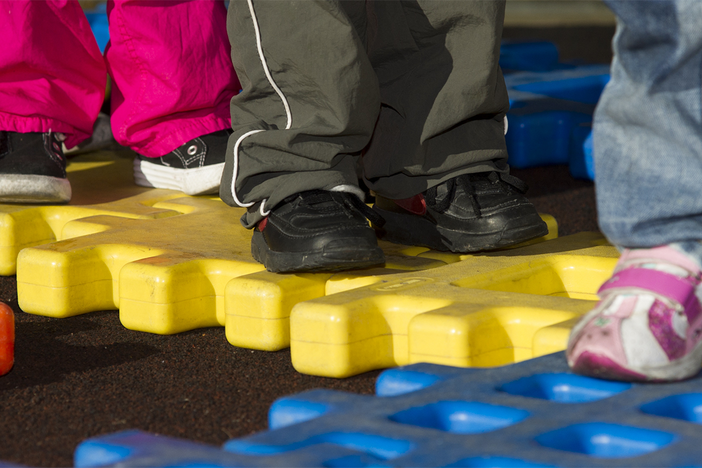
(349, 200)
(466, 181)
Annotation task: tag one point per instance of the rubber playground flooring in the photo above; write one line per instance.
(86, 375)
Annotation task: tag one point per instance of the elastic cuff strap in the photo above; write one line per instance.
(673, 287)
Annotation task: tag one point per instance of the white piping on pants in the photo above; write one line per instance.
(236, 167)
(282, 97)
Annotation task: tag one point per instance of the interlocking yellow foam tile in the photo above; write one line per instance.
(102, 184)
(258, 306)
(486, 310)
(172, 263)
(177, 273)
(166, 275)
(257, 310)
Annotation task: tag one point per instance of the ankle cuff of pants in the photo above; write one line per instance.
(348, 188)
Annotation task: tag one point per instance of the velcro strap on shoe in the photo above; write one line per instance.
(673, 287)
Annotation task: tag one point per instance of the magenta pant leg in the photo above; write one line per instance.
(52, 75)
(172, 73)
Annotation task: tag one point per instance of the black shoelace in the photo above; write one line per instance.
(349, 200)
(466, 181)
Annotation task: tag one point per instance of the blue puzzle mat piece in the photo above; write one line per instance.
(136, 448)
(550, 117)
(582, 165)
(97, 19)
(551, 108)
(534, 413)
(141, 449)
(537, 56)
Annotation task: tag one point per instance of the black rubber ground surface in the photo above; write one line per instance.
(80, 377)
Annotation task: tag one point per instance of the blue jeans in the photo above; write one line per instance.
(648, 128)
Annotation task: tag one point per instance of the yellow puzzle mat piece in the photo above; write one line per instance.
(486, 310)
(169, 262)
(102, 184)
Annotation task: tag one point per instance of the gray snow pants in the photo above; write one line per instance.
(403, 93)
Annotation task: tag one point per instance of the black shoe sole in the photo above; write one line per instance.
(488, 233)
(325, 260)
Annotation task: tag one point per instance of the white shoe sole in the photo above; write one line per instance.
(196, 181)
(29, 188)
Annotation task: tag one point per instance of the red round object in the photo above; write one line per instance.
(7, 338)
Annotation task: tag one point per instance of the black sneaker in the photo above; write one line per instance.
(317, 231)
(32, 168)
(194, 168)
(468, 213)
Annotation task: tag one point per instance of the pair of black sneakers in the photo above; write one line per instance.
(329, 231)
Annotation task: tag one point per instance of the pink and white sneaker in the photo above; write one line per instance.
(648, 323)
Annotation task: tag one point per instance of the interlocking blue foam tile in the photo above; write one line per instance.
(538, 56)
(137, 448)
(582, 165)
(532, 414)
(549, 117)
(97, 18)
(140, 449)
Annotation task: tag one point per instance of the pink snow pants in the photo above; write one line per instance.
(172, 77)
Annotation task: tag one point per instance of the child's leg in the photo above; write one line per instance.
(648, 126)
(648, 150)
(437, 161)
(52, 84)
(172, 83)
(52, 73)
(308, 108)
(172, 74)
(310, 96)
